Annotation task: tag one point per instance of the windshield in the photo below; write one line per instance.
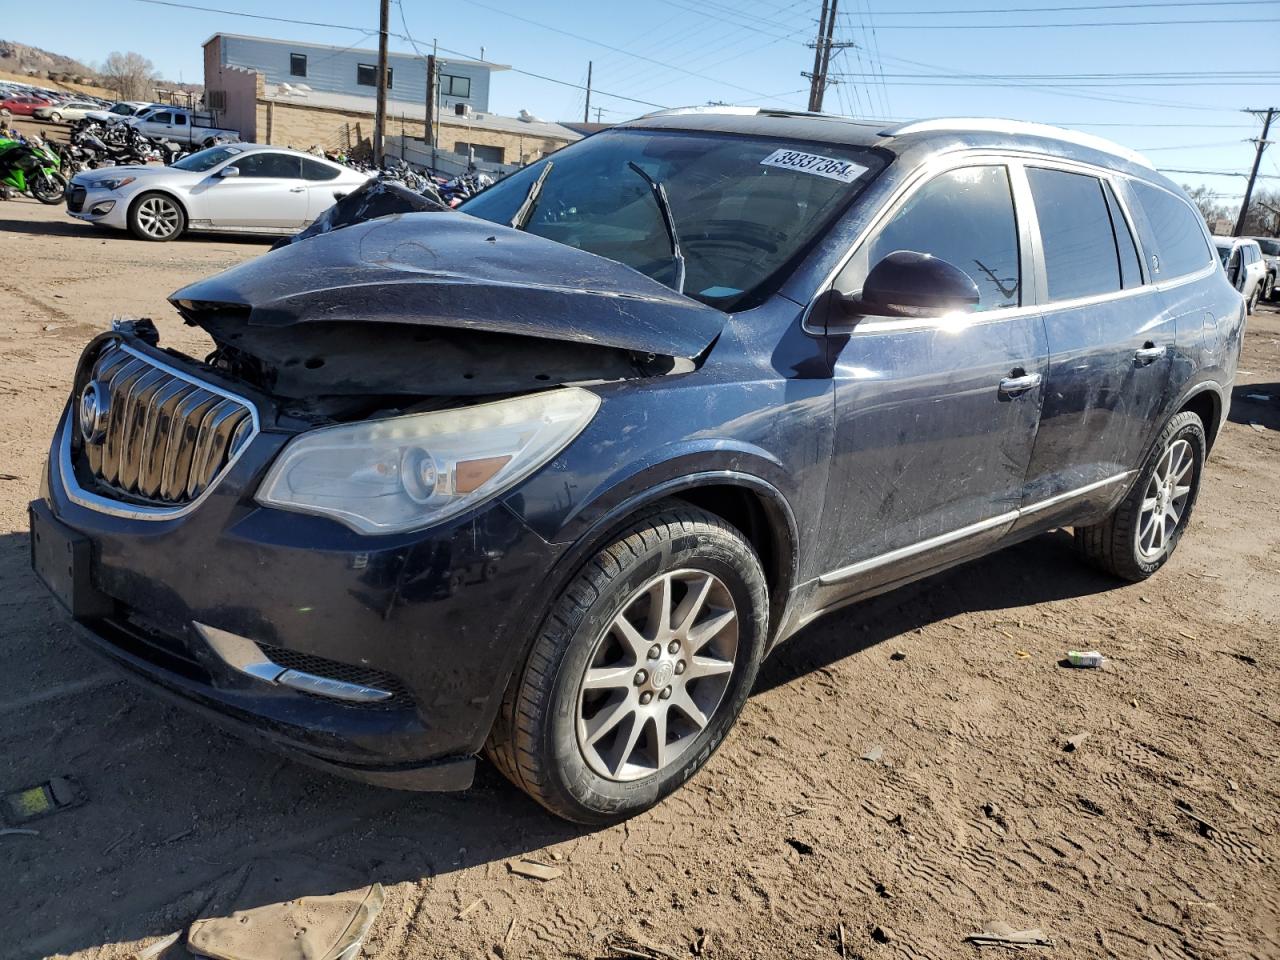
(206, 159)
(1270, 247)
(744, 207)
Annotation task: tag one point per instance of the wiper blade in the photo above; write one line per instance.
(664, 207)
(525, 213)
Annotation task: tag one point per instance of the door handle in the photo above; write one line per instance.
(297, 189)
(1012, 386)
(1148, 354)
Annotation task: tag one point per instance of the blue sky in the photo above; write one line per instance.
(673, 52)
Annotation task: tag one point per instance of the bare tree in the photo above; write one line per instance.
(1264, 214)
(1215, 214)
(130, 75)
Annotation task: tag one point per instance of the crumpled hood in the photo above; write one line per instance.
(450, 270)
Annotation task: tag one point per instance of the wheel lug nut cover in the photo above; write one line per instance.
(673, 646)
(646, 697)
(666, 693)
(641, 677)
(680, 667)
(655, 651)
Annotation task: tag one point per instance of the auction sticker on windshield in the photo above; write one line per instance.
(842, 170)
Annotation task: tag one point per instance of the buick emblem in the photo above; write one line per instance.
(95, 406)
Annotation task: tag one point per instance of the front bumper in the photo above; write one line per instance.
(443, 614)
(83, 207)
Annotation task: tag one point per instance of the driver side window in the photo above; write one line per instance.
(963, 216)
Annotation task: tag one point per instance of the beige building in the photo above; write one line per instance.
(298, 115)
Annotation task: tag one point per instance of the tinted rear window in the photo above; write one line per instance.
(1180, 241)
(1075, 230)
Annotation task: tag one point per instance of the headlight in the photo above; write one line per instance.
(115, 183)
(404, 473)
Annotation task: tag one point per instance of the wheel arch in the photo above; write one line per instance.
(1205, 401)
(163, 191)
(738, 498)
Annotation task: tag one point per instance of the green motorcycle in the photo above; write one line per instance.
(31, 168)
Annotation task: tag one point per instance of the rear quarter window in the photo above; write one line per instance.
(1180, 239)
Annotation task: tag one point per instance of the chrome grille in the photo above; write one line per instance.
(168, 436)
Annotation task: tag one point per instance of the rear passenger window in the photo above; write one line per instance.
(964, 217)
(1079, 243)
(314, 170)
(1180, 241)
(1130, 271)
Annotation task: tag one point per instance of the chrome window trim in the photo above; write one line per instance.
(132, 511)
(842, 574)
(1028, 237)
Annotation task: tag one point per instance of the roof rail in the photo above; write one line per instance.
(710, 108)
(995, 125)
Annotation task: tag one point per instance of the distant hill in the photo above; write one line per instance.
(21, 58)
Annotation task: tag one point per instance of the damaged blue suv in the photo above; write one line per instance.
(547, 478)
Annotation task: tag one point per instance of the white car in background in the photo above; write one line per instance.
(120, 110)
(235, 188)
(67, 110)
(1245, 266)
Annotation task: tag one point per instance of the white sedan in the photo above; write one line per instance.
(236, 188)
(66, 110)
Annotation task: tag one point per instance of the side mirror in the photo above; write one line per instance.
(911, 284)
(229, 171)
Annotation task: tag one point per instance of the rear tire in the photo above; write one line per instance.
(1142, 532)
(599, 723)
(1252, 303)
(157, 217)
(55, 118)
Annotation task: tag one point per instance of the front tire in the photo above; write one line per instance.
(55, 118)
(639, 671)
(1143, 531)
(48, 188)
(157, 217)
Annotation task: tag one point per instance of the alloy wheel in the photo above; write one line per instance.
(1165, 501)
(657, 674)
(158, 217)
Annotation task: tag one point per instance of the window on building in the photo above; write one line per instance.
(367, 75)
(455, 86)
(297, 64)
(480, 151)
(1080, 254)
(1179, 234)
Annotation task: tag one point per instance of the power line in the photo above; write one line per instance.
(398, 36)
(1219, 173)
(607, 46)
(1080, 9)
(1057, 26)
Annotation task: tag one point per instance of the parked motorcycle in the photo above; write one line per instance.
(30, 168)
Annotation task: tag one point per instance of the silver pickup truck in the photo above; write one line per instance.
(180, 125)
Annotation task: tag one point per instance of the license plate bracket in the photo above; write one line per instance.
(63, 560)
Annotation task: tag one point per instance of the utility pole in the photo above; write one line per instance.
(599, 114)
(815, 78)
(586, 110)
(431, 102)
(380, 115)
(825, 42)
(1262, 143)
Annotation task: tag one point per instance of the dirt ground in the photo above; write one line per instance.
(1158, 837)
